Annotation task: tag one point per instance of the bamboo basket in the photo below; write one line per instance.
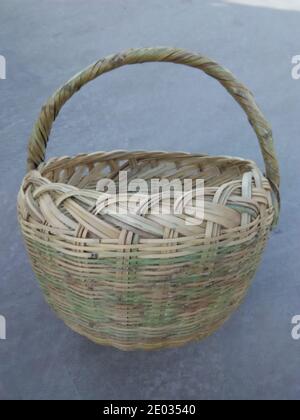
(143, 281)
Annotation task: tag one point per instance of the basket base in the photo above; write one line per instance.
(153, 346)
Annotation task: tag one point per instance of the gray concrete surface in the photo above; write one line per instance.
(155, 106)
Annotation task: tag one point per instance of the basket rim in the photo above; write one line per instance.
(64, 162)
(39, 177)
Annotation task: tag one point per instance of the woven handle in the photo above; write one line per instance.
(39, 137)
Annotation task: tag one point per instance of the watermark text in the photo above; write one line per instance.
(2, 67)
(296, 328)
(2, 328)
(296, 67)
(155, 196)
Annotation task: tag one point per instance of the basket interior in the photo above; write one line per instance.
(85, 173)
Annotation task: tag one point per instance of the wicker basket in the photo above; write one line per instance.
(138, 280)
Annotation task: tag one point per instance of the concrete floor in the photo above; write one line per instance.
(155, 106)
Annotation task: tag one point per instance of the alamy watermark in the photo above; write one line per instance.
(156, 197)
(2, 328)
(2, 67)
(296, 328)
(296, 67)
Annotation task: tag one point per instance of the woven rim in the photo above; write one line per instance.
(40, 135)
(65, 179)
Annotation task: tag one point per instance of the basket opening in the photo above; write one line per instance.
(235, 194)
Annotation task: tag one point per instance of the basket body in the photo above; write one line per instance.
(144, 281)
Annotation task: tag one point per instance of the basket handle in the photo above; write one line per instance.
(41, 131)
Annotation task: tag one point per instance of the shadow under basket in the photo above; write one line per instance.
(142, 279)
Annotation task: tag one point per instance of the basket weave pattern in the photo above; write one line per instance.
(142, 280)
